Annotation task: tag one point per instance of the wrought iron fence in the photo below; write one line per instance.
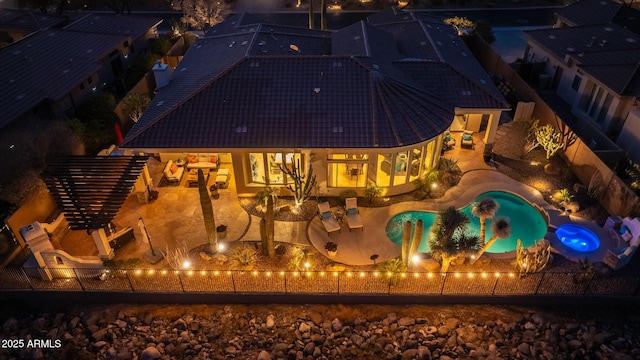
(317, 282)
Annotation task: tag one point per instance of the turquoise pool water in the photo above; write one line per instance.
(527, 224)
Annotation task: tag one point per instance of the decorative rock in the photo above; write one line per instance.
(443, 331)
(100, 344)
(406, 321)
(316, 318)
(150, 353)
(271, 321)
(304, 327)
(409, 354)
(451, 323)
(263, 355)
(336, 324)
(524, 349)
(230, 350)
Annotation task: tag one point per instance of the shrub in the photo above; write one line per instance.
(160, 46)
(347, 194)
(243, 258)
(392, 270)
(372, 191)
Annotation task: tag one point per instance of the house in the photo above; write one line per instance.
(50, 72)
(16, 24)
(592, 61)
(367, 103)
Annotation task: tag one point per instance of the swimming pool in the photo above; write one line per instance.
(527, 224)
(577, 237)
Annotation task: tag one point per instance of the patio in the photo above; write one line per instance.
(175, 218)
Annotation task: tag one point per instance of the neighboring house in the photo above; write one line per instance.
(596, 12)
(16, 24)
(49, 73)
(366, 103)
(138, 29)
(595, 68)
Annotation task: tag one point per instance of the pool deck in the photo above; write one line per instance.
(356, 247)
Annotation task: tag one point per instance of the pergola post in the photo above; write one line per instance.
(102, 243)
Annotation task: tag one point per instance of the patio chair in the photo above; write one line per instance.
(328, 219)
(353, 216)
(448, 142)
(467, 139)
(222, 177)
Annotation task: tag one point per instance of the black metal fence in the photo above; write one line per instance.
(315, 282)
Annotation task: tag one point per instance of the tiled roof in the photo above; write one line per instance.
(608, 53)
(26, 22)
(595, 12)
(47, 65)
(589, 12)
(114, 24)
(264, 85)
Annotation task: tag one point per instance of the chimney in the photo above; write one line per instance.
(162, 74)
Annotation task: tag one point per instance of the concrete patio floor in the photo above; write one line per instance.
(175, 218)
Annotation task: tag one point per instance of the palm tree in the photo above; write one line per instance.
(501, 229)
(449, 238)
(484, 209)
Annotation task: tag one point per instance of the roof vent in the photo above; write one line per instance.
(603, 42)
(160, 103)
(466, 92)
(20, 97)
(262, 43)
(241, 129)
(630, 40)
(552, 36)
(316, 90)
(254, 64)
(232, 43)
(337, 129)
(244, 43)
(357, 37)
(609, 29)
(337, 64)
(464, 54)
(439, 43)
(570, 49)
(423, 43)
(183, 69)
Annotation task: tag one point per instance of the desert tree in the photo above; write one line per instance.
(484, 209)
(203, 14)
(462, 25)
(501, 229)
(134, 104)
(449, 238)
(549, 139)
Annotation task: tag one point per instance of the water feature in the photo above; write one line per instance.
(577, 238)
(527, 224)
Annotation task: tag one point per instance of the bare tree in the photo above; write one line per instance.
(134, 104)
(203, 14)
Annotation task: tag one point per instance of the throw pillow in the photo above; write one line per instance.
(213, 159)
(466, 137)
(174, 168)
(192, 159)
(352, 211)
(447, 138)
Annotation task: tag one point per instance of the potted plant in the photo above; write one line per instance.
(214, 191)
(332, 249)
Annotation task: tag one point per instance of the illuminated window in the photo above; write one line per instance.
(383, 177)
(401, 168)
(257, 169)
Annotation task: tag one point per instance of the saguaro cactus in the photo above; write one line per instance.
(207, 212)
(406, 238)
(302, 184)
(417, 238)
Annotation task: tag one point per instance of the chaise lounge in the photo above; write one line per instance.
(328, 219)
(353, 214)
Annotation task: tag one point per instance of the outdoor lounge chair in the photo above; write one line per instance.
(328, 219)
(448, 142)
(466, 140)
(353, 216)
(222, 177)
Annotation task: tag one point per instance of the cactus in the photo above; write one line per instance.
(406, 238)
(303, 184)
(207, 212)
(417, 238)
(528, 262)
(270, 228)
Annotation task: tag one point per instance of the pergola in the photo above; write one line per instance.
(91, 189)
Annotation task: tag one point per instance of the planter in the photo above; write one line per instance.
(332, 254)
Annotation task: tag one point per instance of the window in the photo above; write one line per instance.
(416, 163)
(383, 177)
(596, 103)
(347, 170)
(256, 164)
(265, 168)
(575, 85)
(401, 167)
(605, 108)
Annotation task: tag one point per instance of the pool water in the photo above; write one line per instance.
(527, 224)
(577, 237)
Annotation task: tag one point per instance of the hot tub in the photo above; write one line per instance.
(577, 238)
